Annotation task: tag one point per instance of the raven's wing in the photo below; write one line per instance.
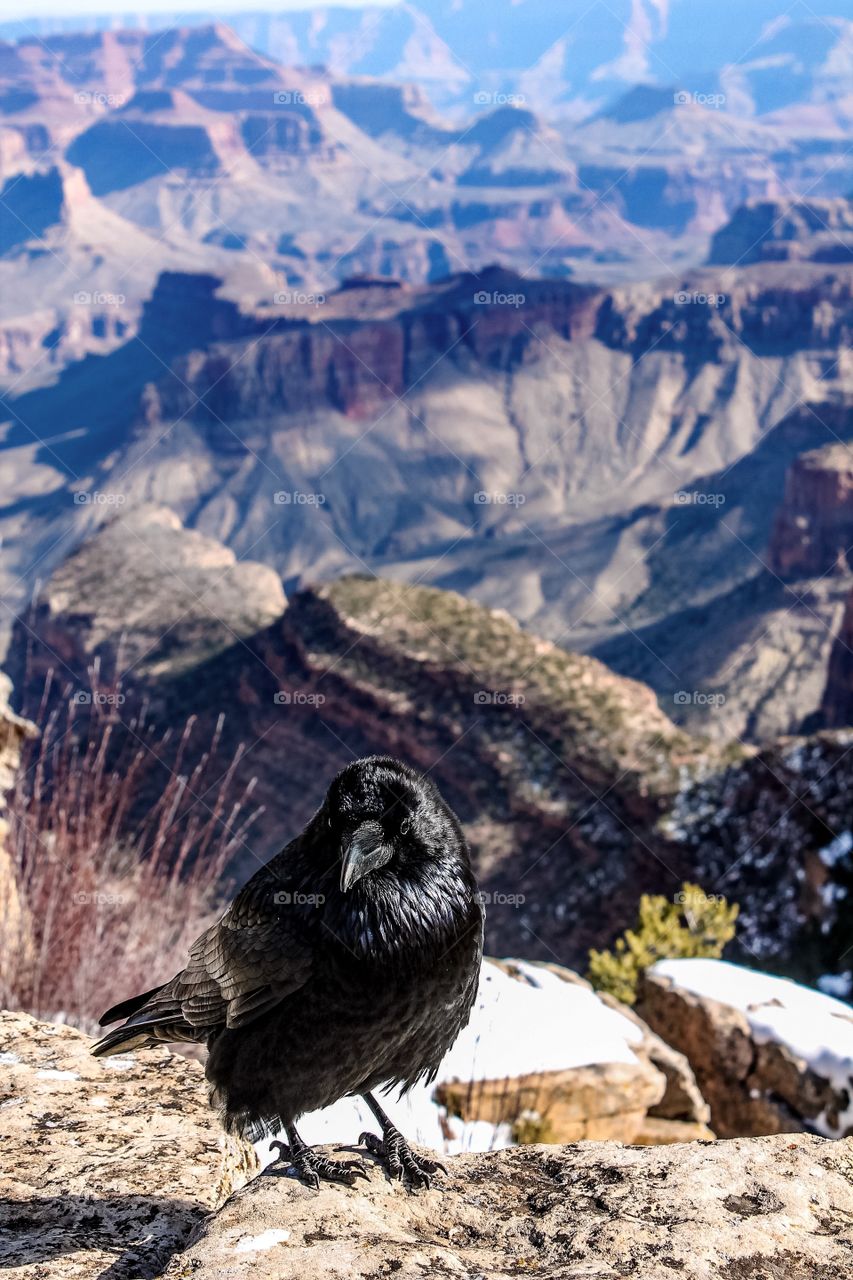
(238, 969)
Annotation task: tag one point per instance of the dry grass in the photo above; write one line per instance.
(110, 898)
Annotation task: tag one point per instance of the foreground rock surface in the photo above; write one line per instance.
(751, 1209)
(109, 1165)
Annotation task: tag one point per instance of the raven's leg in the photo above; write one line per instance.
(395, 1152)
(311, 1167)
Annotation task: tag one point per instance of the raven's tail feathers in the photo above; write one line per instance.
(140, 1035)
(152, 1018)
(127, 1008)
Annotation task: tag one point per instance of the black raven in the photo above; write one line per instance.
(349, 962)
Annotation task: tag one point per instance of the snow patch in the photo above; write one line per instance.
(9, 1059)
(266, 1240)
(837, 849)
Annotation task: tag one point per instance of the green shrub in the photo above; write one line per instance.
(693, 924)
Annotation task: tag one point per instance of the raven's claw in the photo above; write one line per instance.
(399, 1158)
(311, 1167)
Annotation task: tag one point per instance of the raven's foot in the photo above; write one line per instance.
(311, 1167)
(399, 1158)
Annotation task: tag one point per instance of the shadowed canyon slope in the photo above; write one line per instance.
(577, 792)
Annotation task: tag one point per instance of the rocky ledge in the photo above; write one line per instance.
(106, 1172)
(116, 1170)
(748, 1209)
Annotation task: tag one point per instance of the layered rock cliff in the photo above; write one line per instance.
(149, 597)
(16, 939)
(813, 532)
(785, 230)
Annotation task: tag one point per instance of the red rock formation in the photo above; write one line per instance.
(813, 534)
(836, 708)
(321, 356)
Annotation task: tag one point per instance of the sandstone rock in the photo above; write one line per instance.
(753, 1085)
(757, 1209)
(680, 1113)
(109, 1165)
(814, 526)
(602, 1100)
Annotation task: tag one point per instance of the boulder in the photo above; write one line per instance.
(751, 1209)
(602, 1100)
(652, 1097)
(769, 1056)
(576, 1065)
(110, 1164)
(681, 1114)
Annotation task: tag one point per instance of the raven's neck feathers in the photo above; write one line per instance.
(402, 920)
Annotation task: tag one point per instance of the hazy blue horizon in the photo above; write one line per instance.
(19, 12)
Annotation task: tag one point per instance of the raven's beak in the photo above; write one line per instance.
(365, 852)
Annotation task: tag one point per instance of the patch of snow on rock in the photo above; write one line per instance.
(837, 849)
(812, 1025)
(266, 1240)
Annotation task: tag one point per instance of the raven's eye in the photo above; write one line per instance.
(405, 826)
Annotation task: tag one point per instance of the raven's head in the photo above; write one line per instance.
(388, 821)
